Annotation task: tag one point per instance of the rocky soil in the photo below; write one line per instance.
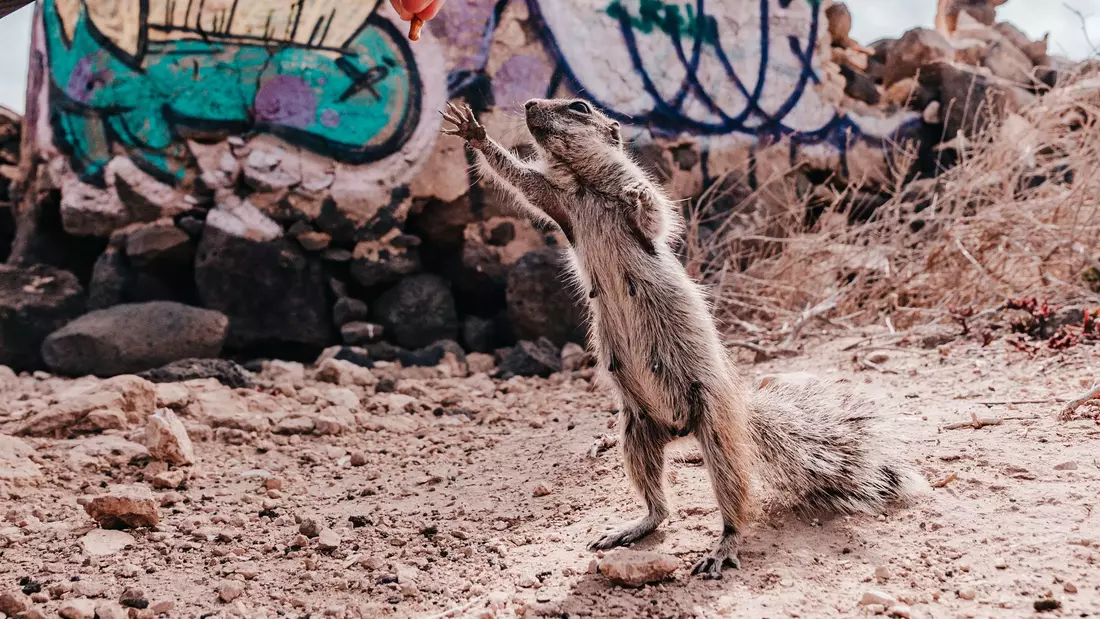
(339, 491)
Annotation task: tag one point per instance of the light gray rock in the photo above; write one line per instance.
(105, 542)
(167, 439)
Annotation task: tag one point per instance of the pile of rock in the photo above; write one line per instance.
(961, 77)
(262, 255)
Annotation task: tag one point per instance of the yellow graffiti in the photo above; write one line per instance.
(315, 24)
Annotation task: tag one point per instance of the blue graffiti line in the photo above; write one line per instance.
(667, 116)
(461, 80)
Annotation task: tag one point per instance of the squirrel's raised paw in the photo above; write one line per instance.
(466, 125)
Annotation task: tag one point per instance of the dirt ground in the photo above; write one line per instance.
(478, 496)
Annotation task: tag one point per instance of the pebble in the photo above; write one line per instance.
(542, 489)
(134, 598)
(229, 591)
(634, 568)
(358, 458)
(89, 589)
(167, 440)
(328, 539)
(875, 596)
(110, 610)
(1069, 587)
(968, 593)
(13, 602)
(105, 542)
(882, 573)
(1066, 466)
(77, 609)
(123, 507)
(900, 610)
(310, 527)
(296, 424)
(169, 480)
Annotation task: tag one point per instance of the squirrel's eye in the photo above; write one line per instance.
(580, 106)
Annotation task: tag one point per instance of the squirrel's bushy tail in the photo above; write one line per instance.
(822, 445)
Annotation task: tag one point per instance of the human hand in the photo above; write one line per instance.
(424, 9)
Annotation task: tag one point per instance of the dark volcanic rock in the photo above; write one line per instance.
(34, 302)
(486, 334)
(126, 339)
(7, 225)
(384, 261)
(541, 358)
(159, 245)
(384, 351)
(225, 371)
(273, 293)
(968, 101)
(347, 310)
(431, 355)
(355, 333)
(490, 250)
(539, 302)
(115, 281)
(859, 86)
(356, 355)
(110, 277)
(418, 311)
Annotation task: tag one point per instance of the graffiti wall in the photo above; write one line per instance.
(313, 125)
(136, 76)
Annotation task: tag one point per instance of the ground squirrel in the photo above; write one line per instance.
(652, 331)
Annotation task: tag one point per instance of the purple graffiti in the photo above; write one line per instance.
(82, 81)
(286, 100)
(521, 78)
(330, 118)
(461, 24)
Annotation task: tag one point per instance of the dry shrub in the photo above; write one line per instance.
(1018, 216)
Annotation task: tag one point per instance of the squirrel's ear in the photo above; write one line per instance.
(614, 133)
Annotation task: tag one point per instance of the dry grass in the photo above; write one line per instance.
(985, 237)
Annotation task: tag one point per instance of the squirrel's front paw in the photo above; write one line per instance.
(638, 195)
(644, 210)
(466, 125)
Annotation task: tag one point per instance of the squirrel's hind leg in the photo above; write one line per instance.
(644, 442)
(720, 435)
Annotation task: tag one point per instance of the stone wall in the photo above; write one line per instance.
(281, 162)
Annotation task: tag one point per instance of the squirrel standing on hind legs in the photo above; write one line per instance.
(657, 343)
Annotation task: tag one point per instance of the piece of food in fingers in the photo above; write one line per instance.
(414, 28)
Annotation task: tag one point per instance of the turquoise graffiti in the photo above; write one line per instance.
(185, 72)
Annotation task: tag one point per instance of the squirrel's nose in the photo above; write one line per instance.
(529, 105)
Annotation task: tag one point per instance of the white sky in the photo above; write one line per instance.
(872, 19)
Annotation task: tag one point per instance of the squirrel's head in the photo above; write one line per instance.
(571, 128)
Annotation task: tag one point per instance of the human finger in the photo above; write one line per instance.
(431, 10)
(402, 12)
(416, 6)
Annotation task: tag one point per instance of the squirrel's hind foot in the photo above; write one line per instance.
(626, 534)
(724, 554)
